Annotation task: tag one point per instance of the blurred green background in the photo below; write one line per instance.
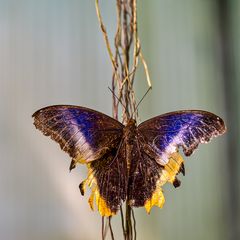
(52, 52)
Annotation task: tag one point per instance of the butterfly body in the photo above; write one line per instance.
(127, 163)
(129, 138)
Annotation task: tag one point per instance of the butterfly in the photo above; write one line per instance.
(127, 162)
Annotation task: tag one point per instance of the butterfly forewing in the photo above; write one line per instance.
(83, 133)
(165, 133)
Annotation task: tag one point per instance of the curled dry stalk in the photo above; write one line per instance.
(124, 60)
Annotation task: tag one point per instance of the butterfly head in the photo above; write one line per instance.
(130, 127)
(131, 122)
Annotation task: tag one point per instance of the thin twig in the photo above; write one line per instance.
(105, 36)
(146, 69)
(122, 220)
(110, 226)
(103, 228)
(128, 223)
(134, 225)
(135, 36)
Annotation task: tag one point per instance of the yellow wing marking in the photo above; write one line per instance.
(167, 174)
(100, 202)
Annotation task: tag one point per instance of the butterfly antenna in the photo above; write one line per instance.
(145, 94)
(117, 98)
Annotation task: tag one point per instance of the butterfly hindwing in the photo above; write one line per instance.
(110, 174)
(143, 176)
(147, 176)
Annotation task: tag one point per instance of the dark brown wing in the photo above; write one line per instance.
(84, 134)
(110, 180)
(143, 176)
(146, 176)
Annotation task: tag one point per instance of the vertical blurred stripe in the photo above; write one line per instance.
(227, 32)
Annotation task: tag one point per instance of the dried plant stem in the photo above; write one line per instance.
(103, 228)
(110, 226)
(134, 225)
(146, 70)
(105, 35)
(128, 223)
(126, 38)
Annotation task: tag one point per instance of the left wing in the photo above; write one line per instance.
(93, 138)
(83, 133)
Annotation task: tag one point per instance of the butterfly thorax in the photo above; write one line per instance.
(129, 137)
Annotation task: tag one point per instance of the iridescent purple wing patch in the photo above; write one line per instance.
(83, 133)
(186, 129)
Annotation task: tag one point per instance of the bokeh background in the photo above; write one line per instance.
(52, 52)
